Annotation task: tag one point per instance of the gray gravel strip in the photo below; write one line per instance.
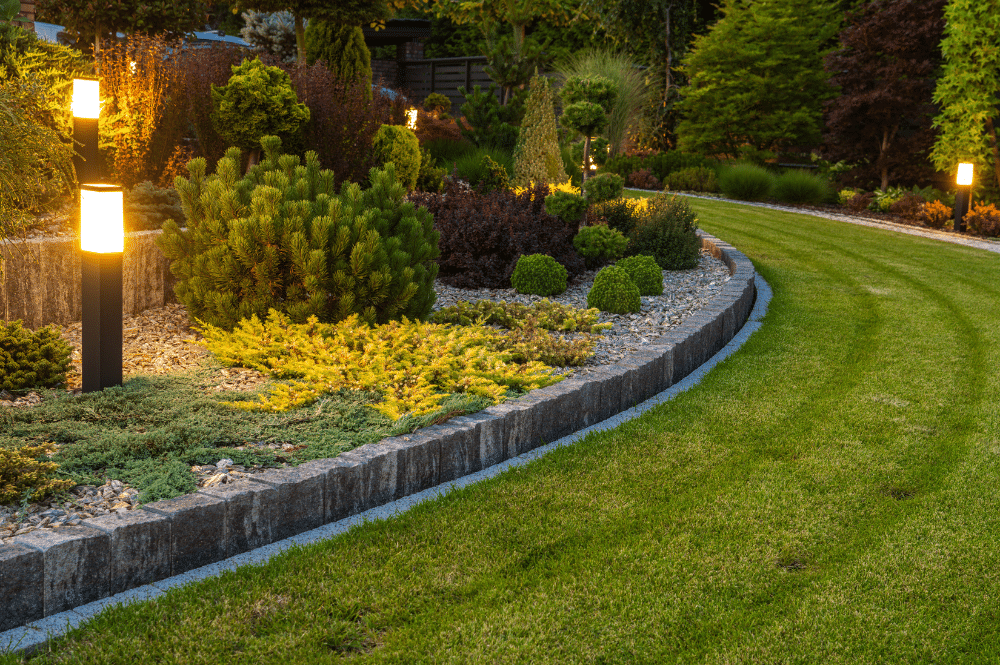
(33, 636)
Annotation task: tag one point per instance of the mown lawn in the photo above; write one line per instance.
(828, 494)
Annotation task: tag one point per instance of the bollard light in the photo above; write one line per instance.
(102, 241)
(411, 118)
(86, 106)
(963, 195)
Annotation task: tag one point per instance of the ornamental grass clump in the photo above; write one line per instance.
(413, 365)
(746, 182)
(800, 187)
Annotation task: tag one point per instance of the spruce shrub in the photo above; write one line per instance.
(29, 359)
(281, 238)
(694, 179)
(614, 291)
(746, 182)
(399, 145)
(341, 48)
(797, 186)
(491, 125)
(538, 275)
(484, 234)
(603, 187)
(666, 230)
(598, 244)
(645, 273)
(566, 206)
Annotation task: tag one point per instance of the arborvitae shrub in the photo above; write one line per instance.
(603, 187)
(746, 182)
(399, 145)
(645, 272)
(483, 235)
(666, 230)
(341, 48)
(598, 244)
(21, 473)
(800, 187)
(29, 359)
(147, 207)
(984, 219)
(643, 179)
(936, 214)
(613, 291)
(537, 158)
(281, 238)
(566, 206)
(694, 179)
(538, 275)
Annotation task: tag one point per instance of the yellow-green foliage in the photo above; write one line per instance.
(412, 364)
(545, 315)
(21, 472)
(529, 343)
(397, 144)
(537, 157)
(566, 186)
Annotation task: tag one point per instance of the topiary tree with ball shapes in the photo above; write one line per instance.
(281, 238)
(257, 101)
(587, 101)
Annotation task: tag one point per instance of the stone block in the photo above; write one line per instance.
(418, 459)
(650, 378)
(557, 411)
(460, 453)
(519, 429)
(588, 407)
(140, 548)
(631, 390)
(377, 473)
(22, 575)
(75, 565)
(251, 514)
(342, 486)
(299, 501)
(609, 387)
(488, 434)
(197, 530)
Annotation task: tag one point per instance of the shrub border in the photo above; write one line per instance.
(49, 571)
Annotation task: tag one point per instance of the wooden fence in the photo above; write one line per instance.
(445, 76)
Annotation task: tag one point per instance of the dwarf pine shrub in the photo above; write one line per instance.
(539, 275)
(29, 359)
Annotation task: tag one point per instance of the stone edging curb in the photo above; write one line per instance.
(46, 572)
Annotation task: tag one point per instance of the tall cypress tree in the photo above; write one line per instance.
(537, 157)
(341, 47)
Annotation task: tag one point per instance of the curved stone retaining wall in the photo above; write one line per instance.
(48, 571)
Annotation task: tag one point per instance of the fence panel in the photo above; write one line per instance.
(445, 76)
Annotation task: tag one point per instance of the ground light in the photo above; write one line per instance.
(102, 241)
(963, 195)
(411, 118)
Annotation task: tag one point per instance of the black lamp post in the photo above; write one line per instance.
(963, 195)
(86, 109)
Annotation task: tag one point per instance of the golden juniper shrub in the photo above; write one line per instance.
(20, 472)
(413, 364)
(545, 314)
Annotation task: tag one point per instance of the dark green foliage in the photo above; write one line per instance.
(598, 151)
(431, 178)
(661, 164)
(599, 244)
(147, 207)
(618, 214)
(437, 102)
(746, 182)
(38, 359)
(585, 117)
(446, 151)
(399, 145)
(490, 124)
(666, 230)
(604, 187)
(281, 238)
(566, 206)
(613, 291)
(594, 89)
(795, 186)
(693, 179)
(474, 168)
(645, 272)
(539, 275)
(495, 177)
(342, 48)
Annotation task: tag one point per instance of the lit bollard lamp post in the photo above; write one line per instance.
(86, 109)
(963, 195)
(102, 241)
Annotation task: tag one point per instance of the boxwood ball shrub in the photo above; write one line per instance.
(746, 182)
(566, 206)
(614, 291)
(539, 275)
(604, 187)
(599, 244)
(797, 186)
(645, 272)
(281, 238)
(399, 145)
(38, 359)
(667, 231)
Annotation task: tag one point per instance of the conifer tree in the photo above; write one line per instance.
(587, 102)
(341, 47)
(281, 238)
(537, 157)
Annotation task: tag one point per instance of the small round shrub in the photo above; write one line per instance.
(437, 102)
(539, 275)
(860, 202)
(845, 195)
(613, 291)
(908, 207)
(604, 187)
(693, 179)
(399, 145)
(984, 219)
(936, 214)
(32, 359)
(797, 186)
(643, 179)
(666, 230)
(618, 214)
(599, 244)
(566, 206)
(746, 182)
(645, 273)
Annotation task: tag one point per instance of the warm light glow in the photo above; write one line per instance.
(131, 66)
(86, 98)
(102, 227)
(964, 174)
(411, 121)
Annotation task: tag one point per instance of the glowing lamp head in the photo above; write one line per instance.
(86, 98)
(964, 174)
(102, 223)
(411, 118)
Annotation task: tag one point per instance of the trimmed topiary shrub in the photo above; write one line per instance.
(29, 359)
(613, 291)
(281, 238)
(539, 275)
(603, 187)
(566, 206)
(666, 230)
(797, 186)
(645, 273)
(746, 182)
(694, 179)
(599, 244)
(399, 145)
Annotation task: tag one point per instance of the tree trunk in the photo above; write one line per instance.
(300, 40)
(996, 151)
(887, 136)
(666, 44)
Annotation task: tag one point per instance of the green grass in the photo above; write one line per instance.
(827, 494)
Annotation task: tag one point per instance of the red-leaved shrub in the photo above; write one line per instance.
(201, 68)
(860, 202)
(643, 179)
(908, 207)
(984, 219)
